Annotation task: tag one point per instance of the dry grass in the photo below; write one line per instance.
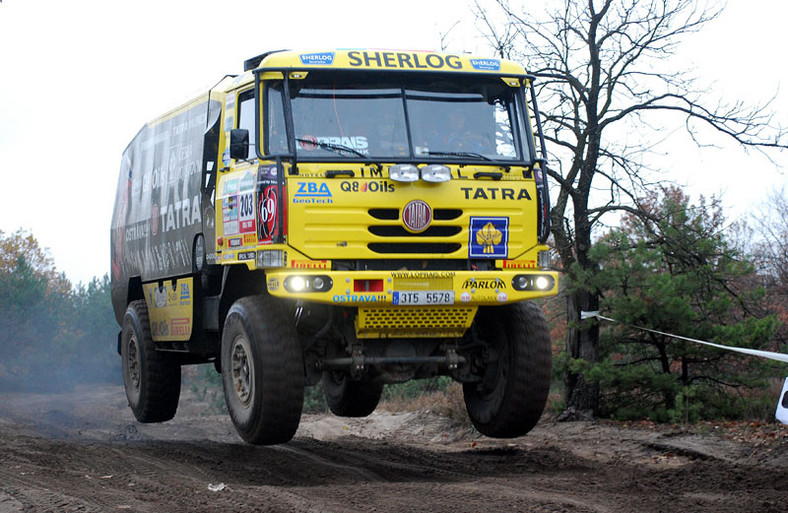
(448, 403)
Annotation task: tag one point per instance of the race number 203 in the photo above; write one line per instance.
(424, 297)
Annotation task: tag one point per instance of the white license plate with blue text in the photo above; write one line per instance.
(424, 297)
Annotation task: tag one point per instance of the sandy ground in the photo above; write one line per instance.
(83, 451)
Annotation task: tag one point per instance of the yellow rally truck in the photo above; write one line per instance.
(356, 217)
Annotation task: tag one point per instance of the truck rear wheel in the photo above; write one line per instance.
(516, 370)
(262, 371)
(348, 398)
(151, 378)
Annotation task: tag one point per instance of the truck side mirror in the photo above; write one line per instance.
(239, 144)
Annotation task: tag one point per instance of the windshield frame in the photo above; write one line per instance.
(522, 131)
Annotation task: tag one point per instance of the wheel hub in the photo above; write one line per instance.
(242, 372)
(134, 363)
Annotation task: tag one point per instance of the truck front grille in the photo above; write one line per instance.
(415, 243)
(414, 247)
(392, 214)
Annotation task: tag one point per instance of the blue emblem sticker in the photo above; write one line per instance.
(486, 64)
(313, 192)
(324, 59)
(489, 237)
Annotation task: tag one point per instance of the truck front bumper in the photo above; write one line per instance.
(412, 303)
(412, 288)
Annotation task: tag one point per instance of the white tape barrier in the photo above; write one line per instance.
(780, 357)
(782, 405)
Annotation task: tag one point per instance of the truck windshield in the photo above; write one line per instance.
(348, 118)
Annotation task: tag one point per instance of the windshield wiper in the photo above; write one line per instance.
(459, 154)
(339, 148)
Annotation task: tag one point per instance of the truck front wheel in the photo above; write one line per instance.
(151, 378)
(515, 367)
(348, 398)
(262, 371)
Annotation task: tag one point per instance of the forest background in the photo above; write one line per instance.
(693, 270)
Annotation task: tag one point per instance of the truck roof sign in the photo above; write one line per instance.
(390, 60)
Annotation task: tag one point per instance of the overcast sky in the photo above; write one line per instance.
(78, 79)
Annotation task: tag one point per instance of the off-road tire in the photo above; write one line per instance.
(348, 398)
(262, 371)
(509, 401)
(152, 379)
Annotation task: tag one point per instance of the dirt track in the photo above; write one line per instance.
(83, 451)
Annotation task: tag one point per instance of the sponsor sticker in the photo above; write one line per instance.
(423, 274)
(185, 293)
(246, 184)
(486, 64)
(246, 213)
(268, 212)
(180, 327)
(230, 187)
(519, 264)
(317, 59)
(312, 192)
(366, 186)
(310, 264)
(489, 237)
(359, 298)
(404, 60)
(230, 215)
(486, 283)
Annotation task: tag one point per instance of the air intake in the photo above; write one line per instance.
(250, 64)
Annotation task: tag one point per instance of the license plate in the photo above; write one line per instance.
(424, 297)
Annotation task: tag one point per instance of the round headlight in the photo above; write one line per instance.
(543, 283)
(297, 284)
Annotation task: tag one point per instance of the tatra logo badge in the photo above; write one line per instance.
(417, 216)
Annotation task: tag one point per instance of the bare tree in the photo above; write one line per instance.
(605, 83)
(771, 256)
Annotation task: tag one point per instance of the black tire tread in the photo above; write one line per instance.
(351, 398)
(160, 376)
(280, 389)
(529, 374)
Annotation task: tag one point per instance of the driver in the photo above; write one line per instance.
(462, 136)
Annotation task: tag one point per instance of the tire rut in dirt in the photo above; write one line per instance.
(355, 474)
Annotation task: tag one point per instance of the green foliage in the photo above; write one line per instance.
(315, 399)
(51, 336)
(206, 384)
(677, 273)
(415, 388)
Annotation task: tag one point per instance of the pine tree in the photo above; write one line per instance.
(677, 271)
